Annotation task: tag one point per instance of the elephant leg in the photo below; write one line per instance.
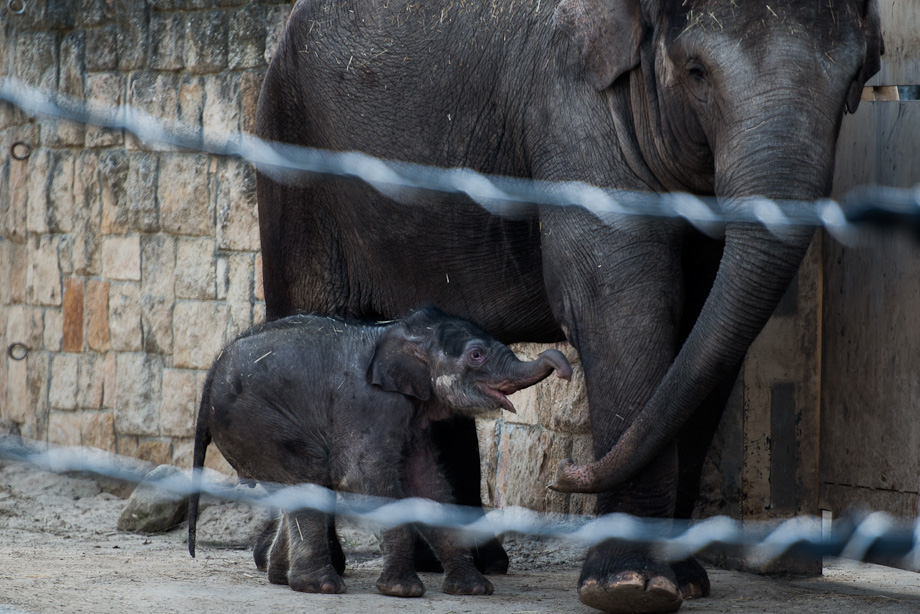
(693, 446)
(398, 578)
(263, 544)
(700, 260)
(424, 478)
(336, 553)
(621, 577)
(457, 447)
(265, 541)
(701, 256)
(694, 443)
(617, 291)
(692, 578)
(460, 574)
(278, 555)
(310, 562)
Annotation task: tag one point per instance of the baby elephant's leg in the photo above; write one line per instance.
(278, 562)
(398, 577)
(424, 479)
(460, 574)
(310, 567)
(261, 548)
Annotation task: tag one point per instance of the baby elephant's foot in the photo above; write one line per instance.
(469, 582)
(324, 580)
(406, 584)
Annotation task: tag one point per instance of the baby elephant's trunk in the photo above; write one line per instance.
(529, 373)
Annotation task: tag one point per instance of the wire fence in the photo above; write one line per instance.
(504, 196)
(858, 536)
(867, 536)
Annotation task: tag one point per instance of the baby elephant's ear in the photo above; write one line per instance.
(398, 366)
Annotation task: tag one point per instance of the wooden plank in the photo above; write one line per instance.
(879, 145)
(839, 499)
(780, 384)
(898, 143)
(870, 435)
(856, 146)
(901, 33)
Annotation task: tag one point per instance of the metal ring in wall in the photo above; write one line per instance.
(20, 150)
(16, 7)
(17, 351)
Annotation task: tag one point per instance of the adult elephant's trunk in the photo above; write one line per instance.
(755, 271)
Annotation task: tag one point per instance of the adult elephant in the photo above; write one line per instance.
(735, 99)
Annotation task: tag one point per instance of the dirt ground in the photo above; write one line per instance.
(60, 552)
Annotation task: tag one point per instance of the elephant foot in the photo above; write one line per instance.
(691, 578)
(261, 549)
(467, 583)
(400, 584)
(263, 544)
(278, 569)
(324, 580)
(425, 559)
(335, 552)
(491, 558)
(628, 584)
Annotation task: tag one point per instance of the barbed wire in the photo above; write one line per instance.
(500, 195)
(857, 536)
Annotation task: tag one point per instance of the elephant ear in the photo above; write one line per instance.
(875, 49)
(399, 365)
(608, 34)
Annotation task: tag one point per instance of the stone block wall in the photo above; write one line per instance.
(520, 451)
(126, 265)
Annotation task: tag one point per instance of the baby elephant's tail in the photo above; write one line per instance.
(202, 440)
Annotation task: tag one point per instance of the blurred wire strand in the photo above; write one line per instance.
(858, 536)
(504, 196)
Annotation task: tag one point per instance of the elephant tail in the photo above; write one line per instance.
(202, 440)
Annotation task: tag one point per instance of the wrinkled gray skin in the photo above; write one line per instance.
(316, 399)
(720, 97)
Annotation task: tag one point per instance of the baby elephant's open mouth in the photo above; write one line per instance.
(500, 394)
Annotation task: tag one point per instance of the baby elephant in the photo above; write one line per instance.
(348, 406)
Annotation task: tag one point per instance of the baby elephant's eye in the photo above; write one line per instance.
(476, 356)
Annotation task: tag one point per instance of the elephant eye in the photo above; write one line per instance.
(697, 73)
(476, 356)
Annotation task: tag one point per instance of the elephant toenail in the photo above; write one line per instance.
(663, 585)
(628, 578)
